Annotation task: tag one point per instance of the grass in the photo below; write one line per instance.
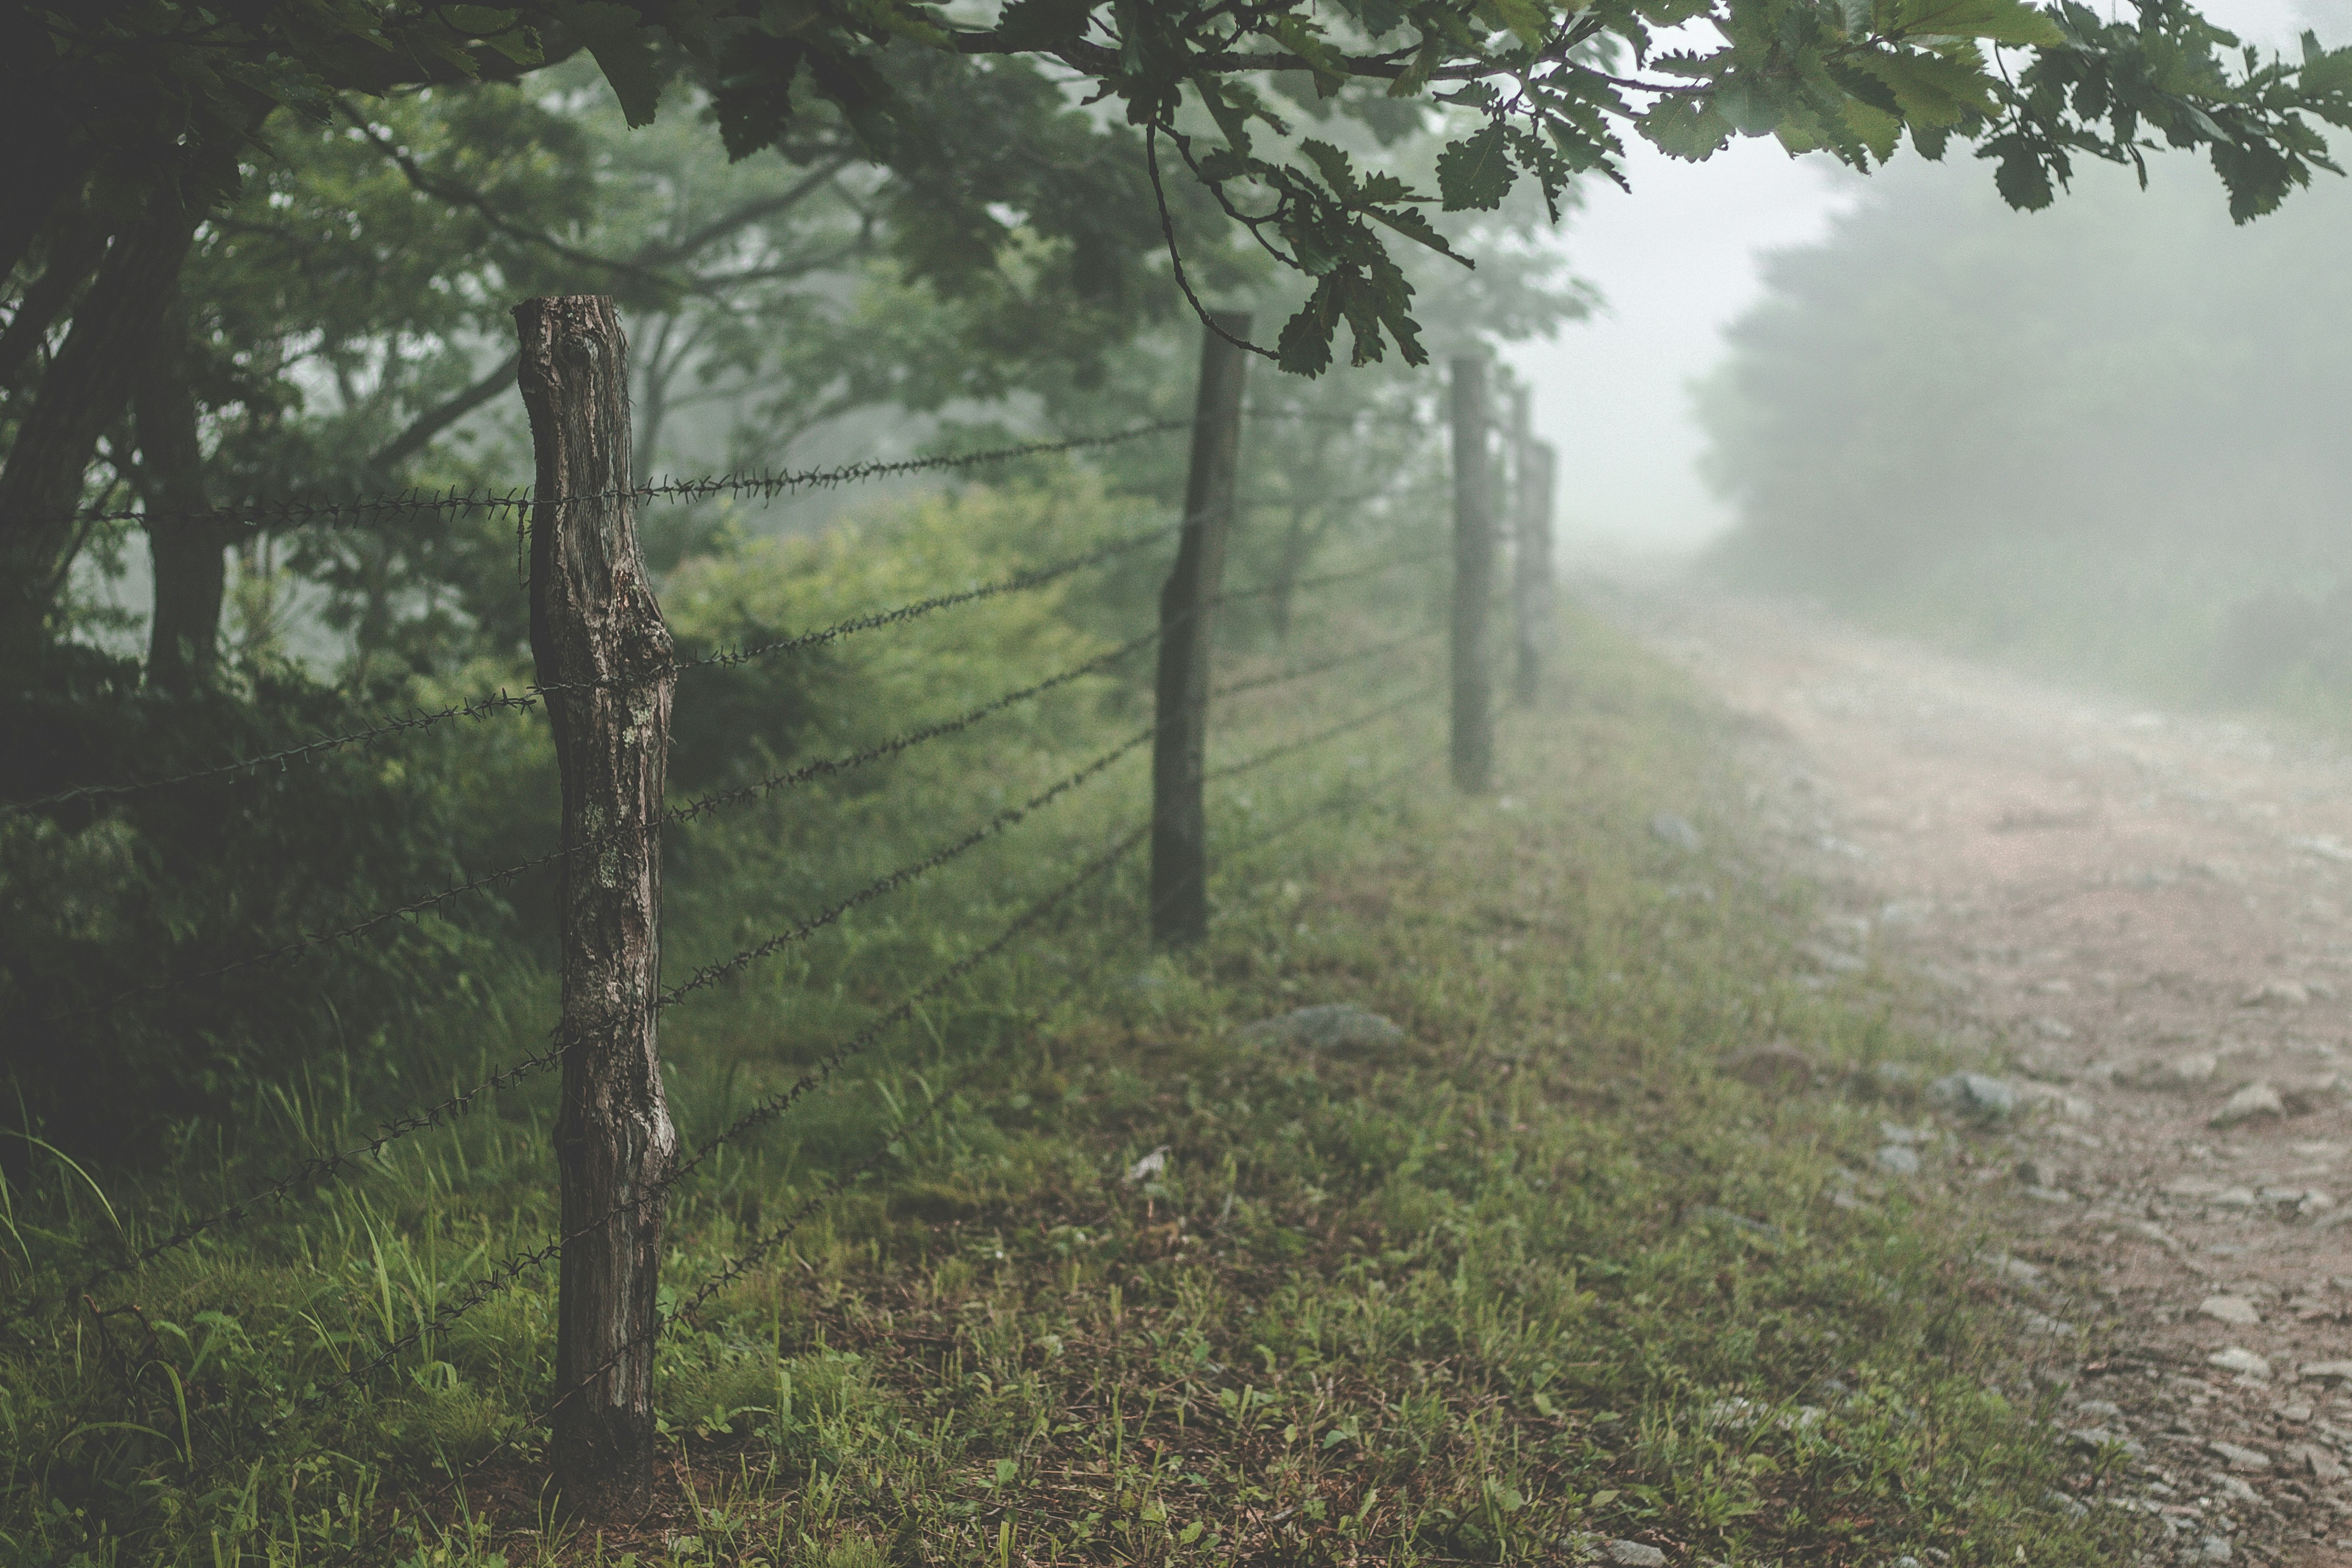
(1536, 1278)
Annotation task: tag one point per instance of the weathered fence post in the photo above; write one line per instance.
(1530, 546)
(1473, 577)
(1180, 825)
(596, 629)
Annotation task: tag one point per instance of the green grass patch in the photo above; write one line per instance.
(1535, 1277)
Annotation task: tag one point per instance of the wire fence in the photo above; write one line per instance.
(513, 1269)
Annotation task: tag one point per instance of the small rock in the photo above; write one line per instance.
(2238, 1359)
(1895, 1132)
(2234, 1198)
(1328, 1028)
(2327, 1371)
(1668, 828)
(2320, 1464)
(2070, 1506)
(2294, 1410)
(2234, 1488)
(2230, 1309)
(1776, 1066)
(1973, 1095)
(1634, 1553)
(2275, 993)
(2101, 1409)
(2192, 1071)
(2253, 1461)
(2257, 1099)
(1150, 1165)
(2214, 1549)
(1898, 1161)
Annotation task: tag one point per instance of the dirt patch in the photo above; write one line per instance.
(2145, 915)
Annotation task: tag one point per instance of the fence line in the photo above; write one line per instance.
(1332, 731)
(711, 974)
(765, 484)
(317, 1168)
(623, 752)
(830, 1185)
(533, 696)
(508, 1271)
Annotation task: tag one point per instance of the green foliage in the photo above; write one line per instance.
(1538, 1273)
(2100, 439)
(1535, 78)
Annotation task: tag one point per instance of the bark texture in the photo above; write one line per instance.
(1531, 578)
(1473, 577)
(1180, 831)
(189, 554)
(83, 393)
(593, 618)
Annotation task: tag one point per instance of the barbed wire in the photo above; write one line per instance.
(504, 1276)
(1302, 743)
(1337, 662)
(316, 1168)
(534, 695)
(1019, 582)
(809, 772)
(711, 974)
(1325, 580)
(475, 709)
(765, 484)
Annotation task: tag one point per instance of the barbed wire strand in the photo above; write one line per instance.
(1019, 582)
(764, 484)
(1337, 662)
(830, 1186)
(1325, 580)
(318, 1168)
(1302, 743)
(314, 1169)
(789, 779)
(711, 974)
(511, 1270)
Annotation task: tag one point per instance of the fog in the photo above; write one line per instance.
(1676, 262)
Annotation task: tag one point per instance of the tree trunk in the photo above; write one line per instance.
(188, 552)
(1180, 830)
(1474, 578)
(593, 619)
(83, 393)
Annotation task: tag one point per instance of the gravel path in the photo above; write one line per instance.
(2145, 915)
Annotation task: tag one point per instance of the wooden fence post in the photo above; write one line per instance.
(1530, 546)
(1473, 577)
(595, 622)
(1180, 826)
(1535, 521)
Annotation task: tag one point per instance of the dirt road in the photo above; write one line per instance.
(2146, 914)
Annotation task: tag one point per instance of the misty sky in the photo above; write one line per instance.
(1676, 262)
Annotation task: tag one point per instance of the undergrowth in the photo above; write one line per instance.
(1131, 1284)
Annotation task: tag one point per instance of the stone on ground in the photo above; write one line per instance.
(1333, 1026)
(2256, 1098)
(1974, 1095)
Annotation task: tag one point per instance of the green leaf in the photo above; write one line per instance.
(1526, 19)
(1230, 119)
(1039, 24)
(2022, 181)
(1685, 126)
(1927, 89)
(1874, 128)
(1476, 173)
(2000, 21)
(623, 46)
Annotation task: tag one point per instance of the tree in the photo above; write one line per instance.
(2082, 438)
(156, 101)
